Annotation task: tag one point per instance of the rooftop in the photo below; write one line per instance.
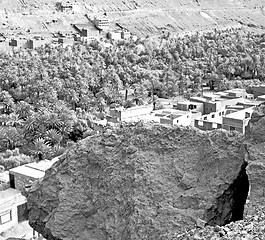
(34, 170)
(7, 195)
(27, 171)
(240, 115)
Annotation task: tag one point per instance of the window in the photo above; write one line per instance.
(223, 113)
(191, 107)
(231, 128)
(247, 115)
(5, 217)
(213, 116)
(220, 113)
(205, 118)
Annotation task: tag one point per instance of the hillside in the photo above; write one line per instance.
(141, 17)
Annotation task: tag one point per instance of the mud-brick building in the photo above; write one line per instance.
(129, 114)
(12, 208)
(102, 23)
(238, 121)
(24, 175)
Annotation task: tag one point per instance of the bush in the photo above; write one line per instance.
(15, 161)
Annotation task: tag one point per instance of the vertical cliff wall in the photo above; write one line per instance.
(141, 182)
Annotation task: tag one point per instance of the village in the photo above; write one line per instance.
(230, 110)
(96, 27)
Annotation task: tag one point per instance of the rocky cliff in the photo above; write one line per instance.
(141, 182)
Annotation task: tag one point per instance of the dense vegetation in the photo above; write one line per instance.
(51, 94)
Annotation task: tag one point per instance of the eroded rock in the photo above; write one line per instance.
(141, 182)
(256, 154)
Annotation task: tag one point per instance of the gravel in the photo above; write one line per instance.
(252, 227)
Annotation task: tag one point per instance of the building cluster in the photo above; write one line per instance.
(13, 205)
(98, 27)
(230, 110)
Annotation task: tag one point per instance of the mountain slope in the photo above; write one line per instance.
(141, 17)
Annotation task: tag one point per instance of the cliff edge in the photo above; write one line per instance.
(141, 182)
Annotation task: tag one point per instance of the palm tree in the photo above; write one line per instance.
(40, 148)
(53, 137)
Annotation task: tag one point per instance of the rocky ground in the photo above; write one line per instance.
(251, 228)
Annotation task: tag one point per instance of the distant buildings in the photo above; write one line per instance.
(64, 6)
(87, 32)
(30, 43)
(102, 23)
(66, 41)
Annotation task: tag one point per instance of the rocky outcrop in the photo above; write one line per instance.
(256, 154)
(141, 182)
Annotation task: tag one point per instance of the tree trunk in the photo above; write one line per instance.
(40, 156)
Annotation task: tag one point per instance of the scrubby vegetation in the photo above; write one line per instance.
(51, 94)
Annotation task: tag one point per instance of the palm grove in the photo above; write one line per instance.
(50, 95)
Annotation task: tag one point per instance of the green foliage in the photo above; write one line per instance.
(50, 94)
(10, 159)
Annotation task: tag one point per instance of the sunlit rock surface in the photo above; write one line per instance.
(256, 154)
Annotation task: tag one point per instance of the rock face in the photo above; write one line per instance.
(256, 149)
(141, 182)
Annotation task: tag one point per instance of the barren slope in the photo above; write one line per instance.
(142, 17)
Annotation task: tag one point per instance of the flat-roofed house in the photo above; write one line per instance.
(88, 32)
(18, 43)
(189, 105)
(102, 23)
(66, 41)
(129, 114)
(238, 121)
(216, 103)
(210, 121)
(12, 208)
(173, 118)
(125, 34)
(23, 175)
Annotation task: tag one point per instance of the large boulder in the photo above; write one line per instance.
(141, 182)
(256, 154)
